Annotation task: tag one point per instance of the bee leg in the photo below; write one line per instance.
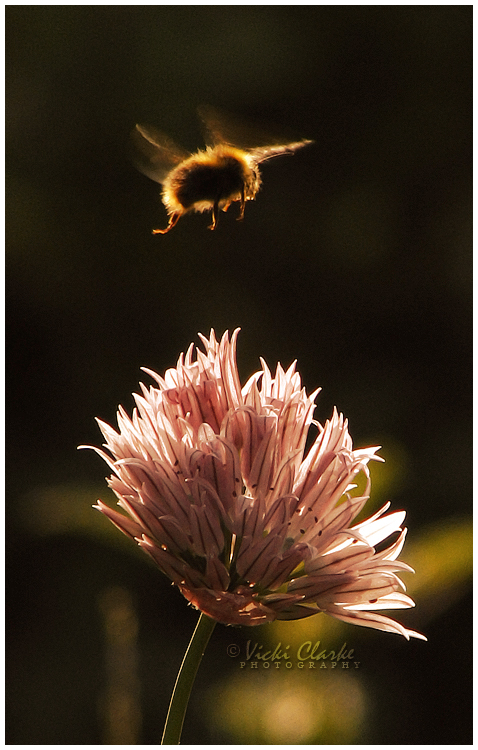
(243, 204)
(173, 219)
(215, 215)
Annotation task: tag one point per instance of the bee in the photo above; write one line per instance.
(209, 180)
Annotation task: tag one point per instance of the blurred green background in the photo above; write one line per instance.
(355, 259)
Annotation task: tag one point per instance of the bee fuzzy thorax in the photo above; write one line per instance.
(216, 176)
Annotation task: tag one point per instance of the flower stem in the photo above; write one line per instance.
(185, 680)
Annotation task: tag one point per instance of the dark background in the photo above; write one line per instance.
(355, 260)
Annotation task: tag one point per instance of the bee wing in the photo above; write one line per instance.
(220, 128)
(215, 128)
(223, 128)
(155, 155)
(263, 153)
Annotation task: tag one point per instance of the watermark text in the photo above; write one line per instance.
(308, 655)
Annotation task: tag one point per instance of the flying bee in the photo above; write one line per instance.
(209, 180)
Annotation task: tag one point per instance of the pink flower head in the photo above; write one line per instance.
(217, 490)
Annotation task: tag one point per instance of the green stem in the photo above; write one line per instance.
(185, 680)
